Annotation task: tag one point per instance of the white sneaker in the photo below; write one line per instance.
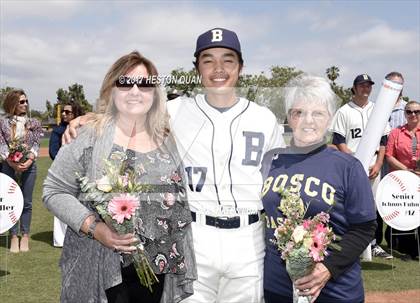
(378, 251)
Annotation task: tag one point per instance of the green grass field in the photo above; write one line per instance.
(34, 277)
(44, 142)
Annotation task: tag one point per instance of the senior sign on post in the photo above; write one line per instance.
(11, 202)
(398, 200)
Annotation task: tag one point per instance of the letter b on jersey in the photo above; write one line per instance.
(254, 143)
(217, 35)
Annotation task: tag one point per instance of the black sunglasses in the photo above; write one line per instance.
(24, 101)
(127, 83)
(410, 112)
(67, 112)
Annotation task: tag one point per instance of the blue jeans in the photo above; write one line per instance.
(27, 186)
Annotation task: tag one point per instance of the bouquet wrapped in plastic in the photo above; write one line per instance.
(302, 242)
(115, 197)
(18, 151)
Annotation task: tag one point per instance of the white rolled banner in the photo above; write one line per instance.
(375, 129)
(381, 112)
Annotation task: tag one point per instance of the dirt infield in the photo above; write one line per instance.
(43, 152)
(408, 296)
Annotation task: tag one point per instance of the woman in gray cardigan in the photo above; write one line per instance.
(96, 262)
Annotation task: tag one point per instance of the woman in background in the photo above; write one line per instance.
(17, 126)
(70, 111)
(403, 153)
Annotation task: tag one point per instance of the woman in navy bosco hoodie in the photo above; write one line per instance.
(323, 176)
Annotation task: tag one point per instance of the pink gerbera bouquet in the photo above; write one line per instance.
(302, 242)
(115, 197)
(18, 151)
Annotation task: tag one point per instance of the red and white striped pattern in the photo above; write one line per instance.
(12, 187)
(391, 216)
(398, 180)
(12, 217)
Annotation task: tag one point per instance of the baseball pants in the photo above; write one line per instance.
(229, 264)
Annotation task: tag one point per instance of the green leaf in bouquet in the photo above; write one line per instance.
(102, 211)
(89, 187)
(119, 185)
(130, 186)
(335, 246)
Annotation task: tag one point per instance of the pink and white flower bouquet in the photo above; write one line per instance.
(18, 151)
(115, 198)
(302, 242)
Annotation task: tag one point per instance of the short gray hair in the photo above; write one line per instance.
(310, 88)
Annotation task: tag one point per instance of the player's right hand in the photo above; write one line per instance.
(71, 131)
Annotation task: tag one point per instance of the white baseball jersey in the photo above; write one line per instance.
(222, 153)
(350, 121)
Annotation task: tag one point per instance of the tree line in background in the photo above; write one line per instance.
(261, 88)
(75, 93)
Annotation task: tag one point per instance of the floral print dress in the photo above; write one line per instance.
(163, 213)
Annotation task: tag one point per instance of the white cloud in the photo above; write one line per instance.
(315, 20)
(51, 10)
(382, 40)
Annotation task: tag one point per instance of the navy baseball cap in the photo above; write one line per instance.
(362, 79)
(218, 37)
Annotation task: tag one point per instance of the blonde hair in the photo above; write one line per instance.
(157, 120)
(411, 102)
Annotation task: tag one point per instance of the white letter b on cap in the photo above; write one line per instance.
(217, 35)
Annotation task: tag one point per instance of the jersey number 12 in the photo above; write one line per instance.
(356, 133)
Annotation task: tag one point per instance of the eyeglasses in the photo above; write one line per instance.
(67, 112)
(316, 115)
(24, 101)
(126, 83)
(410, 112)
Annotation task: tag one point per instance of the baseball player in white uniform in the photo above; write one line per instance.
(222, 139)
(348, 125)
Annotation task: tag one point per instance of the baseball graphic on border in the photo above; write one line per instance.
(11, 203)
(398, 200)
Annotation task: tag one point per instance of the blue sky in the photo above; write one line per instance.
(45, 45)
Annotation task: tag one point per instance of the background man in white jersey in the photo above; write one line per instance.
(348, 125)
(221, 139)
